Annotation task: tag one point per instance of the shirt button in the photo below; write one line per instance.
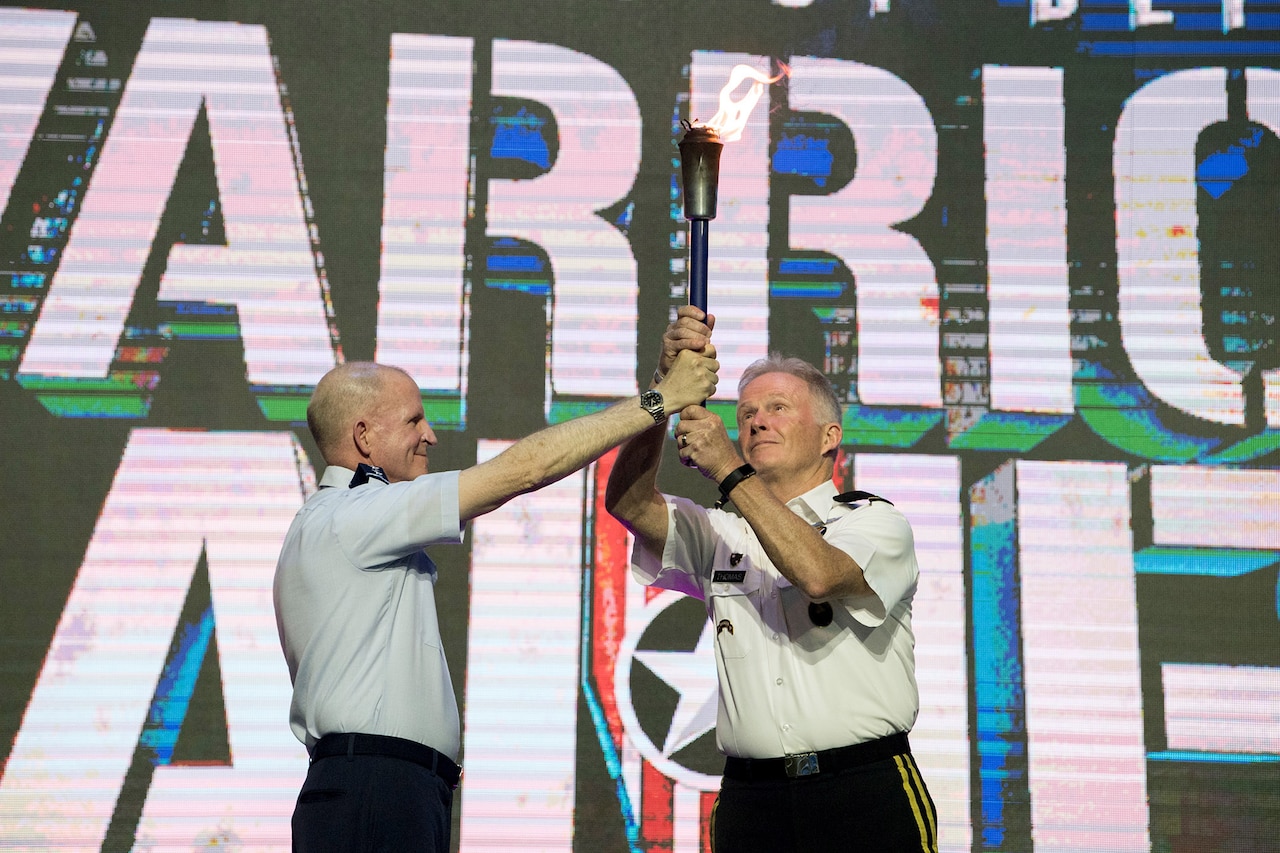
(778, 682)
(773, 594)
(775, 636)
(786, 727)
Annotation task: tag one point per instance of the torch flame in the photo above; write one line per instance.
(730, 121)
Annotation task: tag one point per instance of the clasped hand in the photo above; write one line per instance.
(692, 378)
(700, 436)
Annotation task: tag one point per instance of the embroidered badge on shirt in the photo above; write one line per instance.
(734, 559)
(726, 576)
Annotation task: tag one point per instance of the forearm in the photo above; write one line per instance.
(796, 548)
(548, 455)
(563, 448)
(557, 451)
(632, 495)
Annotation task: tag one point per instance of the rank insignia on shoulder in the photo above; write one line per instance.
(725, 576)
(365, 473)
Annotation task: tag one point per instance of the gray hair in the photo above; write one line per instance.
(826, 403)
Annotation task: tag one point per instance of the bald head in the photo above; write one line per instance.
(344, 395)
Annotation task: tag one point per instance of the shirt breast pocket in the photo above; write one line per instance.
(734, 616)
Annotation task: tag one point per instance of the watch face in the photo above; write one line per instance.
(651, 402)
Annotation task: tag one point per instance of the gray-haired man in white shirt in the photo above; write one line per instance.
(810, 595)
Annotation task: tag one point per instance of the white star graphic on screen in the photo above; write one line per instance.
(693, 676)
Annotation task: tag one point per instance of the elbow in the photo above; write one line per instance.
(615, 503)
(818, 589)
(628, 509)
(615, 496)
(836, 581)
(616, 493)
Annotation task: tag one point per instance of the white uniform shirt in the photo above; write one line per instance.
(786, 685)
(355, 606)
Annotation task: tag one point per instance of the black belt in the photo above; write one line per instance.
(813, 763)
(390, 747)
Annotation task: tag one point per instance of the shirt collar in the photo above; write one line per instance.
(814, 506)
(336, 477)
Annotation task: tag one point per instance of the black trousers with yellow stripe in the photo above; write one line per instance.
(883, 807)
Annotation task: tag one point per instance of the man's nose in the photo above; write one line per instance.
(429, 434)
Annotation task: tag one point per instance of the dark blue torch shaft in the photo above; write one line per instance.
(698, 234)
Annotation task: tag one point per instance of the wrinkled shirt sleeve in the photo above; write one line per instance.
(879, 539)
(686, 560)
(383, 523)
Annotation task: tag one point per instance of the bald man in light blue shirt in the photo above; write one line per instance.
(355, 595)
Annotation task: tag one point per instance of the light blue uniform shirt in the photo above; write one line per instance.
(355, 607)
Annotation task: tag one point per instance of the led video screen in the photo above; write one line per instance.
(1033, 244)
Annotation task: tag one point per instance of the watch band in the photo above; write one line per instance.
(729, 483)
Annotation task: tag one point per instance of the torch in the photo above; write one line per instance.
(700, 167)
(700, 172)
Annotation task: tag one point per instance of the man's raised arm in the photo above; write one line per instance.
(557, 451)
(632, 495)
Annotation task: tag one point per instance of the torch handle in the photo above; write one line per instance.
(698, 238)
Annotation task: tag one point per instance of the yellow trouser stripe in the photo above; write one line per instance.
(715, 807)
(926, 820)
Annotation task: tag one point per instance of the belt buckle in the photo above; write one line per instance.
(800, 764)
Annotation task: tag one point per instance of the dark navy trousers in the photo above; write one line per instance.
(882, 807)
(369, 804)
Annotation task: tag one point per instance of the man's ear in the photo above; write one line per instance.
(832, 435)
(361, 439)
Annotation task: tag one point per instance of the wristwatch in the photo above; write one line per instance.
(651, 402)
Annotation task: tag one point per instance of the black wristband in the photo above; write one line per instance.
(736, 476)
